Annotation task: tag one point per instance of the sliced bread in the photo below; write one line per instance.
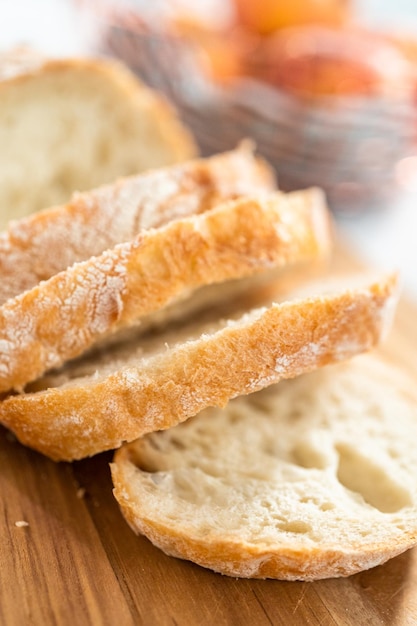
(156, 381)
(74, 124)
(64, 316)
(41, 245)
(311, 478)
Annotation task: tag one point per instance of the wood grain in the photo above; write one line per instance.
(77, 561)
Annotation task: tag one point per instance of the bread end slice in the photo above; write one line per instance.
(93, 115)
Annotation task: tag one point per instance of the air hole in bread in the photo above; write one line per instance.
(394, 454)
(296, 526)
(326, 506)
(146, 467)
(322, 506)
(305, 454)
(142, 463)
(363, 476)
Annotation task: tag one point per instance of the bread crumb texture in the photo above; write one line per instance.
(311, 478)
(96, 120)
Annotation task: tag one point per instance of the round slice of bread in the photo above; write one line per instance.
(311, 478)
(155, 381)
(36, 247)
(64, 316)
(74, 124)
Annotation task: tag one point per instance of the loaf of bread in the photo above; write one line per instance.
(74, 124)
(161, 379)
(64, 316)
(41, 245)
(312, 478)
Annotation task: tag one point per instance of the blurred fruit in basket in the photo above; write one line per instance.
(327, 55)
(406, 44)
(322, 61)
(328, 103)
(222, 58)
(266, 16)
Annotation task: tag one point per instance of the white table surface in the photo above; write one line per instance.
(387, 239)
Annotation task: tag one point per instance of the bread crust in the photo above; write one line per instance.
(340, 533)
(255, 561)
(39, 246)
(61, 318)
(129, 398)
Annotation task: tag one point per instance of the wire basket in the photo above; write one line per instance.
(348, 146)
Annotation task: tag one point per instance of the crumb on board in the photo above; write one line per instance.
(80, 492)
(21, 524)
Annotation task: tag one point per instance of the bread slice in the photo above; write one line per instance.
(311, 478)
(41, 245)
(61, 318)
(156, 381)
(74, 124)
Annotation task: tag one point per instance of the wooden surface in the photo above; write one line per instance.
(77, 562)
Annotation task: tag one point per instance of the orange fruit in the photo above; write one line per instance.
(265, 16)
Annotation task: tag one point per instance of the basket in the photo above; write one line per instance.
(348, 146)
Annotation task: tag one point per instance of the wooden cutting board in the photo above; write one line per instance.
(77, 562)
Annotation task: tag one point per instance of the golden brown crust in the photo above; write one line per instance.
(282, 341)
(242, 560)
(62, 317)
(38, 246)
